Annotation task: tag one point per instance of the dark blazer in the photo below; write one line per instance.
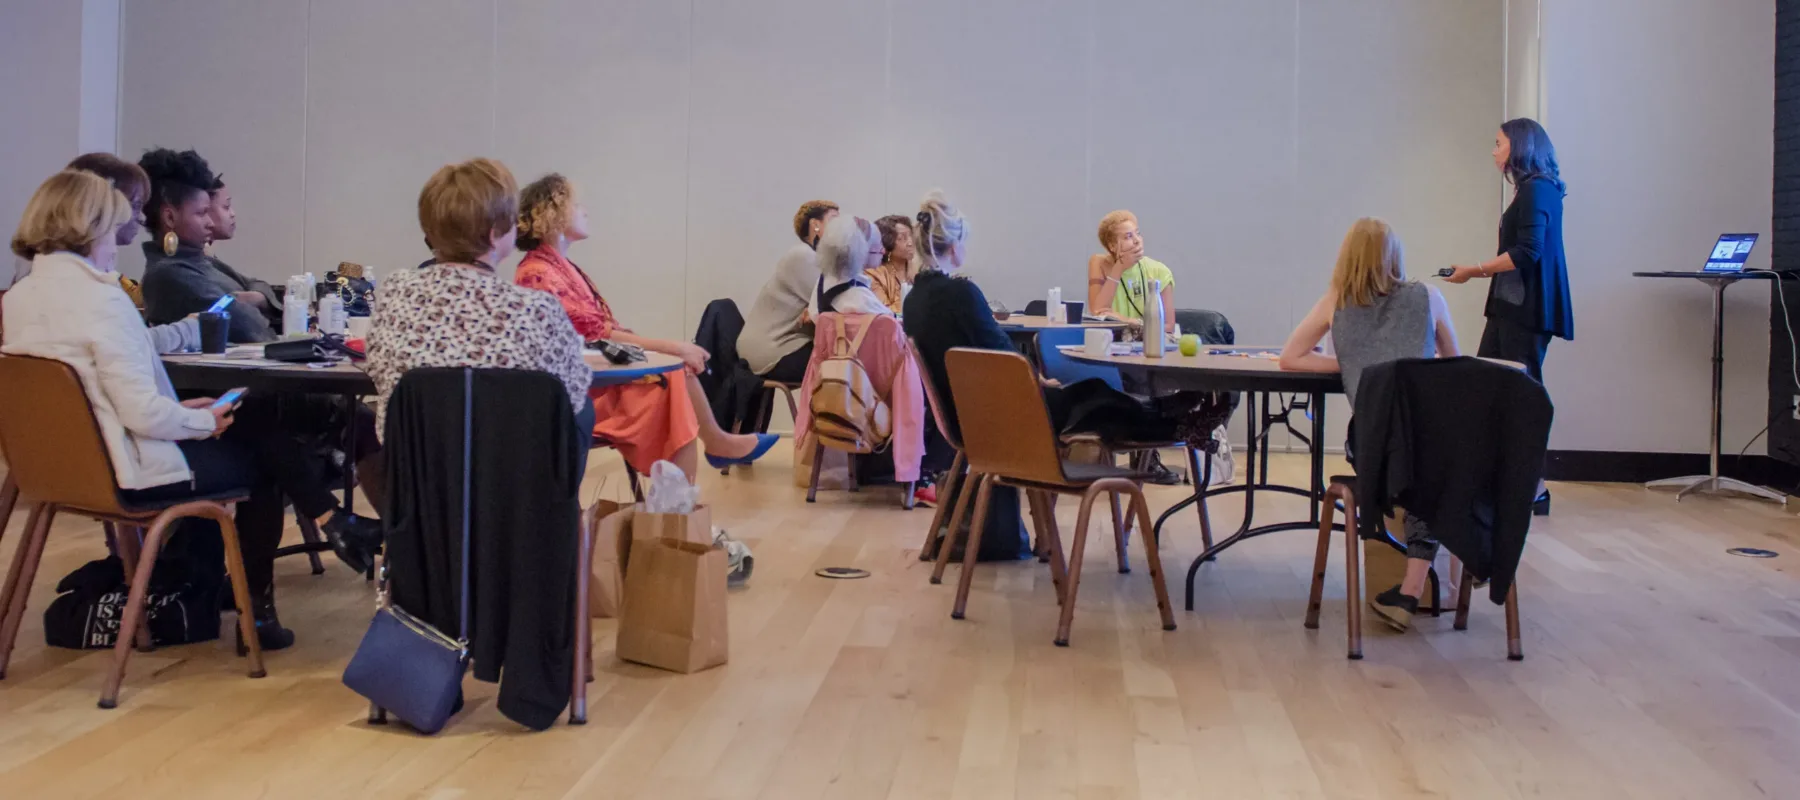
(190, 281)
(525, 520)
(1460, 442)
(1535, 295)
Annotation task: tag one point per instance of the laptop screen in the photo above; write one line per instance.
(1730, 254)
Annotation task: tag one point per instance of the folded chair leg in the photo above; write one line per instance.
(1353, 601)
(130, 550)
(1321, 559)
(971, 551)
(812, 490)
(1154, 558)
(14, 596)
(234, 569)
(1120, 521)
(9, 499)
(1463, 589)
(584, 638)
(1514, 648)
(637, 486)
(309, 533)
(1077, 549)
(1059, 563)
(964, 501)
(945, 492)
(907, 500)
(1202, 482)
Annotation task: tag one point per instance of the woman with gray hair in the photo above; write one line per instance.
(847, 249)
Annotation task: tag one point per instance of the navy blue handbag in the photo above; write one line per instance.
(404, 665)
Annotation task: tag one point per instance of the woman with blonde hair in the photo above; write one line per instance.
(1375, 315)
(659, 419)
(1119, 281)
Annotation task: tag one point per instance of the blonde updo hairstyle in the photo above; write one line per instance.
(941, 229)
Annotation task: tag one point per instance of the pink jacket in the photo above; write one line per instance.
(892, 370)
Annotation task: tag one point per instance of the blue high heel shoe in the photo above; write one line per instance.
(764, 441)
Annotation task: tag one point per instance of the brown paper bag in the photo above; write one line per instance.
(695, 526)
(835, 475)
(674, 615)
(611, 524)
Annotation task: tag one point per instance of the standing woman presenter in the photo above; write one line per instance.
(1528, 300)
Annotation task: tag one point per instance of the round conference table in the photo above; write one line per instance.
(1023, 330)
(243, 366)
(1255, 372)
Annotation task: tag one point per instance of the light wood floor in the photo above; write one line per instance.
(1656, 666)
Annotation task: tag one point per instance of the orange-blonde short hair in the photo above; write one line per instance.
(464, 205)
(1111, 221)
(70, 212)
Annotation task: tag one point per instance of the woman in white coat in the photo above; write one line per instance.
(71, 309)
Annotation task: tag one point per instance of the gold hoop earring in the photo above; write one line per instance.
(170, 242)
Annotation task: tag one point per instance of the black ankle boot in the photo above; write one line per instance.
(355, 539)
(269, 633)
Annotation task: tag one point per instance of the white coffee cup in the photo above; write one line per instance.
(1097, 342)
(358, 328)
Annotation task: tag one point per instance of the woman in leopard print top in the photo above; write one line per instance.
(457, 312)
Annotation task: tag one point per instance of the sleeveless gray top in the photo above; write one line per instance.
(1397, 325)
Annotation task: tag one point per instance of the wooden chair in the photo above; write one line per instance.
(907, 499)
(1342, 489)
(60, 462)
(958, 465)
(1008, 441)
(765, 407)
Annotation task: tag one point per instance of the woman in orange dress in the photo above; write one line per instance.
(658, 418)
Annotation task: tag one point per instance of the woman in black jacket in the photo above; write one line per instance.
(179, 277)
(1528, 301)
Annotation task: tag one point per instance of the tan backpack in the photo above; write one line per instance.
(847, 413)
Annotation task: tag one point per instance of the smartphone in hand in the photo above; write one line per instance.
(231, 398)
(220, 304)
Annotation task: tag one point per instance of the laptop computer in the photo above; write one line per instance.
(1730, 253)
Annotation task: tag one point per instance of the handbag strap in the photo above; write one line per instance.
(462, 631)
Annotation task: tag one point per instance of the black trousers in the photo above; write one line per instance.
(1511, 341)
(221, 465)
(792, 367)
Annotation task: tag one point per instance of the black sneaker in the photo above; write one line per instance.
(1155, 472)
(353, 538)
(1395, 609)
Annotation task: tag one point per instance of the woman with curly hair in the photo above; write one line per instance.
(658, 419)
(179, 277)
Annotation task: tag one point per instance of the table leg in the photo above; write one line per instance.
(350, 454)
(1318, 455)
(1257, 425)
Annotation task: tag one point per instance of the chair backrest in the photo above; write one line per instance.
(51, 439)
(1211, 326)
(933, 397)
(1064, 369)
(1036, 308)
(1006, 427)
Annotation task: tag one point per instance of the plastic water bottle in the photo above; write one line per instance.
(1154, 340)
(1053, 307)
(332, 318)
(294, 308)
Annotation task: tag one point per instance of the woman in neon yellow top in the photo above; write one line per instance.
(1119, 282)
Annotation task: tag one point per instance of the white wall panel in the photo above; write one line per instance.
(986, 103)
(598, 92)
(787, 105)
(240, 101)
(40, 87)
(394, 90)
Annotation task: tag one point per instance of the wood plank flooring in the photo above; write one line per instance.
(1657, 666)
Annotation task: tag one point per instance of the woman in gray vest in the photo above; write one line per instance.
(1373, 315)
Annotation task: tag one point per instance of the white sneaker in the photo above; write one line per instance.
(737, 554)
(1224, 466)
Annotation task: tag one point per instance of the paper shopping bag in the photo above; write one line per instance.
(611, 524)
(694, 526)
(674, 616)
(834, 475)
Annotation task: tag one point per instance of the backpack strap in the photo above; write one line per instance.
(855, 345)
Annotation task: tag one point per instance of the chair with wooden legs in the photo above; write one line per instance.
(59, 460)
(765, 408)
(1009, 441)
(1342, 489)
(934, 402)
